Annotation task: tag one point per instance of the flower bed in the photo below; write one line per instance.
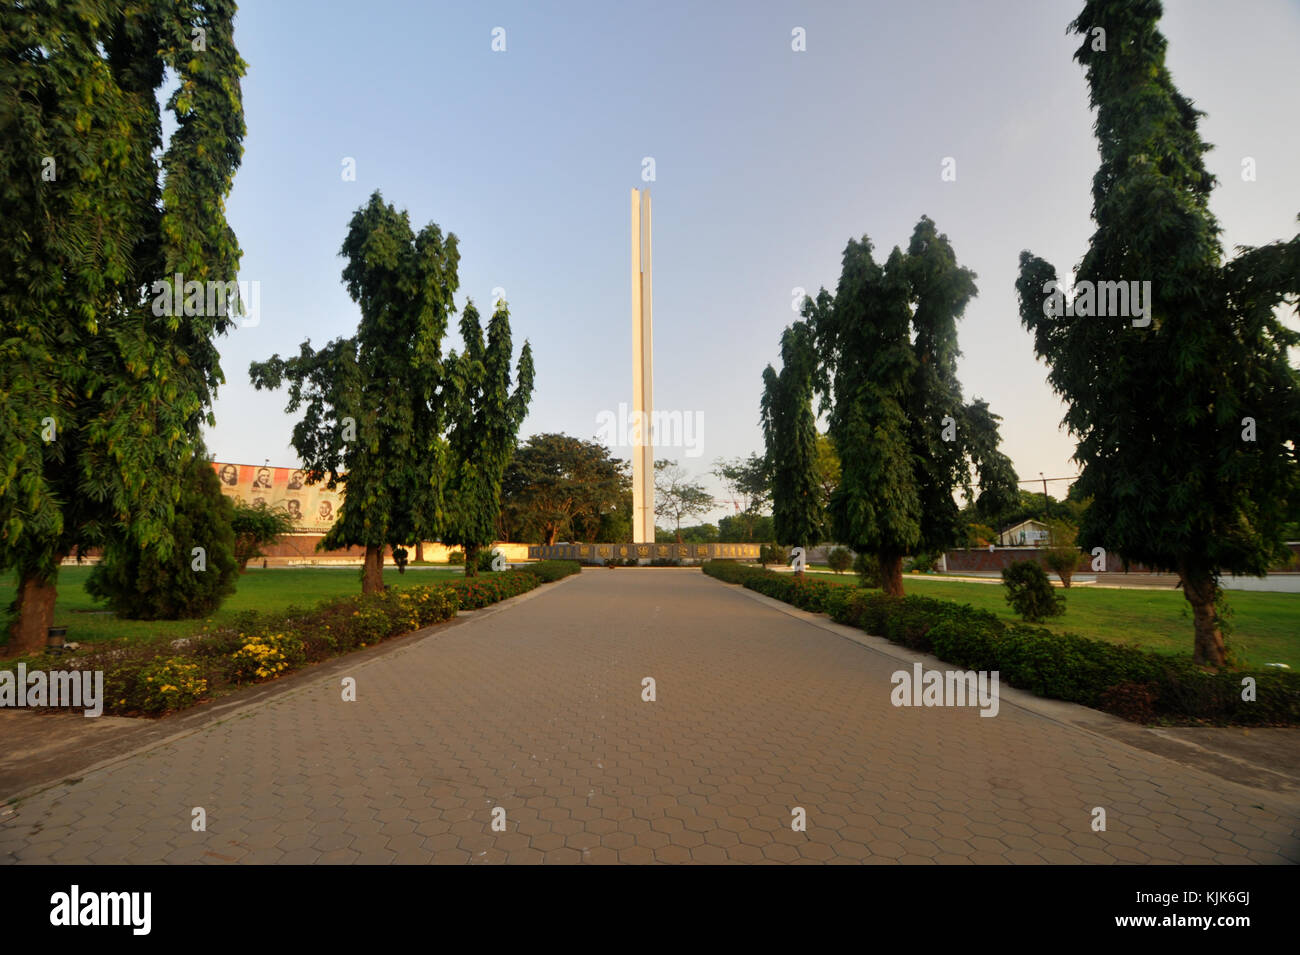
(159, 676)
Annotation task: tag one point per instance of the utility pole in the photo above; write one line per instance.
(1046, 511)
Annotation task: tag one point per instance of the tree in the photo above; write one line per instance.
(734, 529)
(101, 393)
(616, 522)
(790, 438)
(864, 335)
(1180, 392)
(558, 485)
(255, 526)
(194, 577)
(485, 427)
(1062, 554)
(375, 406)
(749, 483)
(677, 497)
(1030, 593)
(888, 346)
(828, 471)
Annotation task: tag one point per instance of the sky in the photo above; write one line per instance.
(767, 160)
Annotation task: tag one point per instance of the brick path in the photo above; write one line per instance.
(537, 709)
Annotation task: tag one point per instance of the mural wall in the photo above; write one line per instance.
(313, 507)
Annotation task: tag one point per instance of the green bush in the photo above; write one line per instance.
(456, 557)
(922, 563)
(839, 559)
(550, 570)
(140, 584)
(153, 682)
(1030, 593)
(1126, 681)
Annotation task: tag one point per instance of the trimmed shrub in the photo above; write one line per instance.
(921, 564)
(839, 559)
(1030, 593)
(1124, 680)
(551, 570)
(140, 584)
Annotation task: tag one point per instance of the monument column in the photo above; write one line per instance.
(643, 468)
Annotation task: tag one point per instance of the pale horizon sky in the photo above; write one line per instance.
(767, 161)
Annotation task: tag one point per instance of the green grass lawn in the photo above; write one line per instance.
(1265, 627)
(273, 589)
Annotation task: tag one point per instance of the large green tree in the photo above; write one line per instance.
(101, 394)
(790, 438)
(1187, 411)
(906, 440)
(560, 486)
(865, 348)
(485, 421)
(375, 405)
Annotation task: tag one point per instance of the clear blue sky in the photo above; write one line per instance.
(767, 162)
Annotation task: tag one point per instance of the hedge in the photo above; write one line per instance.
(159, 676)
(1132, 683)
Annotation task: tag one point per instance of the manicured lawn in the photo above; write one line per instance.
(273, 589)
(1265, 627)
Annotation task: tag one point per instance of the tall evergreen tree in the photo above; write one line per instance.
(864, 344)
(485, 427)
(1188, 415)
(101, 397)
(375, 403)
(790, 438)
(906, 439)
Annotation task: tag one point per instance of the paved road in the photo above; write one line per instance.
(537, 709)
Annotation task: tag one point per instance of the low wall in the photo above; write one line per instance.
(981, 559)
(600, 553)
(299, 550)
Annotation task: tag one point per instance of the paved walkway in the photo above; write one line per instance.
(537, 709)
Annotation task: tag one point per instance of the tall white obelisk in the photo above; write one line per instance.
(643, 452)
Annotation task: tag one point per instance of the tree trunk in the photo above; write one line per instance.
(471, 560)
(29, 630)
(1199, 588)
(551, 533)
(891, 574)
(419, 552)
(372, 574)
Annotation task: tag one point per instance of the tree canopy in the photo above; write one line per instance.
(557, 486)
(906, 441)
(1186, 406)
(101, 393)
(375, 403)
(485, 419)
(790, 438)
